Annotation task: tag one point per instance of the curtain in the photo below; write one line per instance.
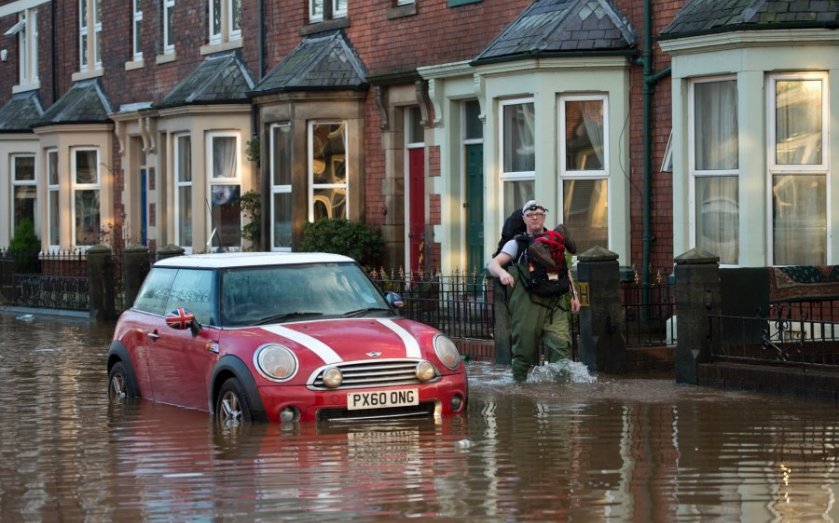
(715, 125)
(519, 138)
(224, 157)
(718, 217)
(799, 220)
(798, 122)
(592, 111)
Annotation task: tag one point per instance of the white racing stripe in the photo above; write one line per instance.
(313, 344)
(412, 349)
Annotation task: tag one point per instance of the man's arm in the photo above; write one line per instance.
(496, 268)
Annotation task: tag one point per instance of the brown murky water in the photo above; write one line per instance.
(562, 447)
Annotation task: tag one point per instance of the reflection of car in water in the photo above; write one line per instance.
(280, 337)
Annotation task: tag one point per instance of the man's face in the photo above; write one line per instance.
(534, 218)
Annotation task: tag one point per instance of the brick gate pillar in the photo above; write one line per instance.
(697, 295)
(135, 266)
(100, 282)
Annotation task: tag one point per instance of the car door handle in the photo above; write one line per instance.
(154, 335)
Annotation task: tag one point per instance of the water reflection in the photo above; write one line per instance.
(561, 446)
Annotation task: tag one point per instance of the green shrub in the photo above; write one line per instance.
(25, 247)
(360, 242)
(251, 207)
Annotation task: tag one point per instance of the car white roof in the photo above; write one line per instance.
(249, 259)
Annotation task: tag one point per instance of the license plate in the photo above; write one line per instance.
(382, 399)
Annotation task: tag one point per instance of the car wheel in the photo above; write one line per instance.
(232, 405)
(121, 385)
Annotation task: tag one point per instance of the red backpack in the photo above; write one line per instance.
(544, 258)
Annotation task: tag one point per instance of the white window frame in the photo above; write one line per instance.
(226, 31)
(23, 183)
(211, 182)
(90, 29)
(774, 168)
(338, 10)
(179, 184)
(404, 2)
(53, 189)
(313, 15)
(277, 188)
(566, 174)
(137, 30)
(694, 172)
(168, 12)
(310, 167)
(82, 187)
(329, 10)
(512, 176)
(26, 30)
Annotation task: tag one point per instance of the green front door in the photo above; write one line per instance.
(474, 207)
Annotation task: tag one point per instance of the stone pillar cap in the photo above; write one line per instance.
(696, 256)
(597, 253)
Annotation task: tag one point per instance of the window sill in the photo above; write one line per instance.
(219, 47)
(84, 75)
(22, 88)
(135, 64)
(326, 25)
(401, 11)
(164, 58)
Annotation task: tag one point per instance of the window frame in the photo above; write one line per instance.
(226, 31)
(90, 35)
(53, 188)
(137, 30)
(13, 169)
(179, 184)
(76, 187)
(694, 173)
(310, 171)
(168, 11)
(329, 10)
(506, 177)
(813, 170)
(275, 187)
(26, 30)
(231, 181)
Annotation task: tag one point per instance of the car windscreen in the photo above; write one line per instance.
(261, 295)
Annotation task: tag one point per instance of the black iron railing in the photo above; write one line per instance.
(648, 314)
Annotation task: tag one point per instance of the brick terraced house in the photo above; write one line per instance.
(649, 127)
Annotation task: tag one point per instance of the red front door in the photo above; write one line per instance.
(416, 209)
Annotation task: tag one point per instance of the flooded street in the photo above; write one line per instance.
(562, 447)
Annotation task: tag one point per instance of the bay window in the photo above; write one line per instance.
(328, 187)
(797, 117)
(24, 190)
(281, 195)
(714, 167)
(86, 194)
(225, 190)
(518, 153)
(183, 191)
(583, 153)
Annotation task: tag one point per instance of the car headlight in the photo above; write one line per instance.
(426, 371)
(332, 377)
(446, 351)
(275, 362)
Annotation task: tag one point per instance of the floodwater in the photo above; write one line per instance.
(564, 446)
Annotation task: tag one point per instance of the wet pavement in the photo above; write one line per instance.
(564, 446)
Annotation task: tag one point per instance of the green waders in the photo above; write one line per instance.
(535, 319)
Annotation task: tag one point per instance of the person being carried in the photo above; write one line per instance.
(537, 302)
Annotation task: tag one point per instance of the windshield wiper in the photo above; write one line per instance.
(276, 318)
(361, 312)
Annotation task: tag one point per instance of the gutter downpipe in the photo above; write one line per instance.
(647, 93)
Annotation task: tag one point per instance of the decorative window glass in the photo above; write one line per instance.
(328, 188)
(281, 194)
(86, 191)
(225, 191)
(52, 199)
(137, 30)
(518, 153)
(416, 132)
(473, 128)
(168, 26)
(183, 191)
(225, 20)
(24, 190)
(798, 167)
(583, 154)
(714, 139)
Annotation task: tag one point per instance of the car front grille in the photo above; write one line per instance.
(358, 374)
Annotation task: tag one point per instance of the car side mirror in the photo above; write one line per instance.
(394, 300)
(181, 319)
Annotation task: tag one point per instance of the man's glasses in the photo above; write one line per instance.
(534, 215)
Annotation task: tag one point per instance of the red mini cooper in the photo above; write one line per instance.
(280, 337)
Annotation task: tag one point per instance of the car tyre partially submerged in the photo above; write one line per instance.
(280, 337)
